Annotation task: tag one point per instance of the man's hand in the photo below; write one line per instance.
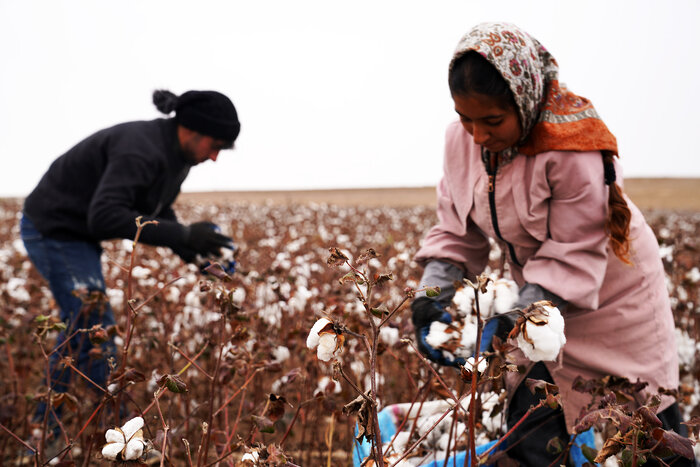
(425, 311)
(205, 239)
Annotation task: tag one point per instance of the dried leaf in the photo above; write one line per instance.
(216, 270)
(132, 374)
(336, 258)
(538, 386)
(276, 407)
(368, 254)
(351, 277)
(361, 408)
(381, 279)
(69, 401)
(98, 334)
(694, 426)
(673, 441)
(611, 447)
(649, 416)
(173, 382)
(264, 424)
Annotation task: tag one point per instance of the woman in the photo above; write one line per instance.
(531, 165)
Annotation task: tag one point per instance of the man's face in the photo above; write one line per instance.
(199, 148)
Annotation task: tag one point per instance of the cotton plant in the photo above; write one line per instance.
(126, 443)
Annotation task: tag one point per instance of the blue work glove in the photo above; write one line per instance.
(499, 325)
(226, 261)
(425, 311)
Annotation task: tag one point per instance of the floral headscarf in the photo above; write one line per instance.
(552, 117)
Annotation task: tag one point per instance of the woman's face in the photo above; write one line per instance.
(491, 124)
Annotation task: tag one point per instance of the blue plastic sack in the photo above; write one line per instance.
(387, 429)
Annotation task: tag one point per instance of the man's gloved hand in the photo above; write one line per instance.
(204, 239)
(425, 311)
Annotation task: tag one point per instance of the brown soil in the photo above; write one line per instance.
(646, 193)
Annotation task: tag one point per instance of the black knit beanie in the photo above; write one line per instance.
(207, 112)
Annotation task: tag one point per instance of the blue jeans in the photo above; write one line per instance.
(70, 266)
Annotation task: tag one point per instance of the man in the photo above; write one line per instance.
(97, 189)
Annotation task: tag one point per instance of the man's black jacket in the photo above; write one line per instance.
(96, 190)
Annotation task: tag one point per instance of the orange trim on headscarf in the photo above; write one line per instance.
(568, 122)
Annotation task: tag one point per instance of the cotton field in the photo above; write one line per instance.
(219, 370)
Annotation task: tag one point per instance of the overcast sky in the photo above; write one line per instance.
(331, 94)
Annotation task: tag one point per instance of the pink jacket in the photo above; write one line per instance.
(552, 209)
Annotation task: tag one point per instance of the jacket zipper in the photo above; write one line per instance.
(491, 169)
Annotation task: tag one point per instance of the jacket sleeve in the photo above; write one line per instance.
(454, 240)
(572, 260)
(112, 214)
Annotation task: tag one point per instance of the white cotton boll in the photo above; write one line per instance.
(556, 322)
(424, 423)
(127, 246)
(281, 353)
(463, 300)
(324, 383)
(238, 296)
(488, 402)
(132, 426)
(114, 436)
(111, 451)
(437, 334)
(134, 449)
(505, 295)
(272, 313)
(686, 349)
(443, 441)
(666, 252)
(486, 300)
(393, 458)
(250, 456)
(389, 335)
(693, 275)
(326, 347)
(192, 299)
(548, 339)
(16, 290)
(298, 301)
(312, 339)
(468, 340)
(285, 288)
(173, 295)
(18, 245)
(139, 272)
(481, 367)
(358, 367)
(400, 441)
